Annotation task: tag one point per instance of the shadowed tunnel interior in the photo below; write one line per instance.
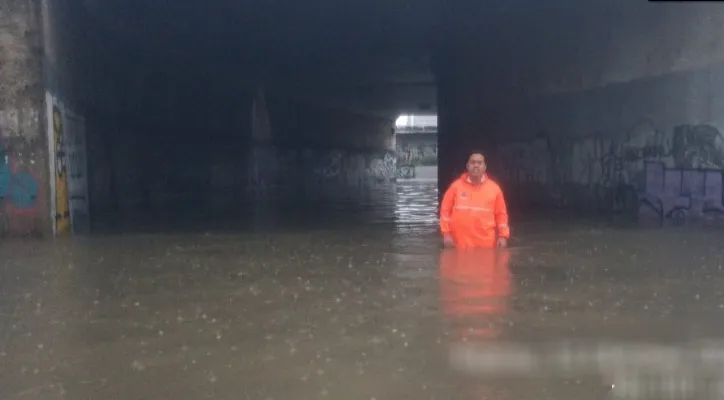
(224, 115)
(128, 115)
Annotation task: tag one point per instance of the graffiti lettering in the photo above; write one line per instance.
(348, 168)
(698, 146)
(383, 168)
(62, 200)
(68, 168)
(619, 173)
(680, 193)
(644, 153)
(406, 172)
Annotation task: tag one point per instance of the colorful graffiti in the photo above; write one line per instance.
(680, 193)
(68, 169)
(62, 200)
(19, 194)
(616, 172)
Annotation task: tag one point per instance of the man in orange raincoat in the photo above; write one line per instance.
(473, 213)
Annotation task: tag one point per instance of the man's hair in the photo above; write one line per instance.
(475, 152)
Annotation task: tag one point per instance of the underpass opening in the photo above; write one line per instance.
(416, 145)
(417, 186)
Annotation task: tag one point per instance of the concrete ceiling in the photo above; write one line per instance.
(370, 56)
(367, 55)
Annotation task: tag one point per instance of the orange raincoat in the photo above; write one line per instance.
(474, 215)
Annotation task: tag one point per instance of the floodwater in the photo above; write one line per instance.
(369, 310)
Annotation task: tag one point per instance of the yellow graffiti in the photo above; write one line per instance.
(62, 202)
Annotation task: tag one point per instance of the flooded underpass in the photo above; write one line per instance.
(573, 310)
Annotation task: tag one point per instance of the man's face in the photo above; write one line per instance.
(476, 165)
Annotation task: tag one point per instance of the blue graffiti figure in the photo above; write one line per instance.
(5, 179)
(23, 190)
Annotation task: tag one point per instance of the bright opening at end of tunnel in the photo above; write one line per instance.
(416, 148)
(421, 121)
(416, 138)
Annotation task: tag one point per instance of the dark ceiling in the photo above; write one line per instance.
(371, 55)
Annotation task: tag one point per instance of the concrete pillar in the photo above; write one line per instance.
(23, 150)
(463, 124)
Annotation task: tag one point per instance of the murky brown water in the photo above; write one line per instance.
(360, 311)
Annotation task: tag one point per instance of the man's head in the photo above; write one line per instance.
(476, 165)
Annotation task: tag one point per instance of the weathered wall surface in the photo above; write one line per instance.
(649, 147)
(308, 154)
(415, 150)
(23, 154)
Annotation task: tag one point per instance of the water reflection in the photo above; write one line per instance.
(475, 288)
(416, 202)
(361, 308)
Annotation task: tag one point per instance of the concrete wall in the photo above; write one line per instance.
(649, 147)
(528, 50)
(601, 108)
(23, 154)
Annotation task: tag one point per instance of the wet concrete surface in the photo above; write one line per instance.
(369, 310)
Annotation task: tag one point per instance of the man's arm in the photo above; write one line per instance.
(446, 207)
(501, 216)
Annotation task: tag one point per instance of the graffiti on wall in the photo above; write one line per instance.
(383, 167)
(352, 165)
(19, 191)
(698, 146)
(270, 167)
(679, 193)
(413, 151)
(329, 165)
(617, 174)
(417, 153)
(68, 169)
(406, 172)
(60, 173)
(77, 172)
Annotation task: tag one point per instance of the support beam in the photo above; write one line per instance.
(23, 151)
